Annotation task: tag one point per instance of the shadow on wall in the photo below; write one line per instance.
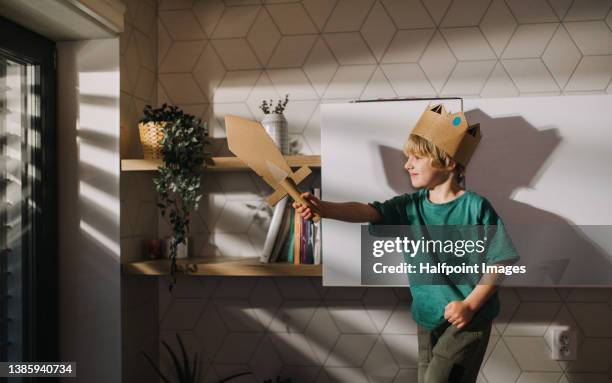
(220, 148)
(88, 206)
(514, 154)
(297, 328)
(231, 211)
(324, 334)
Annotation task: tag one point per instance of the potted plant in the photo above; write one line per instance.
(151, 128)
(275, 123)
(185, 371)
(183, 150)
(190, 373)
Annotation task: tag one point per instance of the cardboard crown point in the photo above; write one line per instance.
(450, 132)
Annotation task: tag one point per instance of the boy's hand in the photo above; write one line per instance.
(304, 210)
(458, 313)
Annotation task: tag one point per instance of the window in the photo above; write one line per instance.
(28, 302)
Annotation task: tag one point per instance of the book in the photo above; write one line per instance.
(282, 235)
(304, 240)
(310, 238)
(290, 242)
(275, 223)
(317, 234)
(297, 235)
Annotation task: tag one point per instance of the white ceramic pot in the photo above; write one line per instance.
(276, 126)
(181, 250)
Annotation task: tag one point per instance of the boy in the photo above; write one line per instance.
(454, 321)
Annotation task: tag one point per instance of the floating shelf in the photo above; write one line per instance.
(221, 265)
(229, 266)
(218, 164)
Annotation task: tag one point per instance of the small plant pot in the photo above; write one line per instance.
(181, 250)
(151, 135)
(154, 248)
(276, 126)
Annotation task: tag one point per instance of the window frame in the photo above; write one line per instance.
(39, 261)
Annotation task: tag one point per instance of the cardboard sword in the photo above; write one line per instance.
(250, 142)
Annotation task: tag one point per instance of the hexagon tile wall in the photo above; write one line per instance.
(217, 57)
(138, 63)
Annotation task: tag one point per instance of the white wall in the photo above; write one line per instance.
(88, 172)
(541, 162)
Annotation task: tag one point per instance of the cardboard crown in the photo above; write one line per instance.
(450, 132)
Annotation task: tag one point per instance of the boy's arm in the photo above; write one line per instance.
(342, 211)
(486, 287)
(350, 211)
(479, 296)
(501, 251)
(459, 313)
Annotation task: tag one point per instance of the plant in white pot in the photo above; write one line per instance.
(275, 123)
(178, 181)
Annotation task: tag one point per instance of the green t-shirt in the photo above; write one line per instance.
(470, 208)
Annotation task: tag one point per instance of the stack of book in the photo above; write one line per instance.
(291, 238)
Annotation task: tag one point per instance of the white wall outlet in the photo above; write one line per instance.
(564, 344)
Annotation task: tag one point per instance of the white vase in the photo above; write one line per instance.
(181, 249)
(276, 126)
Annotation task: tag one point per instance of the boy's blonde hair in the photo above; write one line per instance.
(421, 147)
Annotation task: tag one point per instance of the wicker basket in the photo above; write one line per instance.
(151, 135)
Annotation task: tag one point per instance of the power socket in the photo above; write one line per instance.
(564, 344)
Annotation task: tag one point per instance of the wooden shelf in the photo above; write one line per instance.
(229, 266)
(218, 164)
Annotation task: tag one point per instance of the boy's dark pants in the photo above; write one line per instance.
(451, 355)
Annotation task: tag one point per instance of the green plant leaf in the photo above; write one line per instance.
(196, 372)
(184, 154)
(157, 370)
(186, 368)
(177, 365)
(234, 376)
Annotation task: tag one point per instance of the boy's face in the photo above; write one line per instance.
(423, 174)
